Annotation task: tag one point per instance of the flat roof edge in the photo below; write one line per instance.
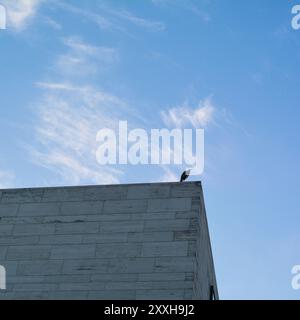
(100, 185)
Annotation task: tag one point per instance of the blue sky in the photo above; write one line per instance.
(70, 69)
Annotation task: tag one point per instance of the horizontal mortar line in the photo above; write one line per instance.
(137, 274)
(151, 197)
(59, 214)
(91, 290)
(87, 260)
(52, 202)
(49, 259)
(87, 243)
(99, 282)
(130, 219)
(50, 246)
(95, 214)
(98, 274)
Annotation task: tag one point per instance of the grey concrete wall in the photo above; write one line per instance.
(147, 241)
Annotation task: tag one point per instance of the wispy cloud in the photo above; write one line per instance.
(57, 86)
(202, 14)
(198, 117)
(100, 20)
(80, 47)
(150, 25)
(187, 5)
(7, 179)
(20, 12)
(114, 19)
(67, 124)
(52, 23)
(168, 175)
(68, 117)
(82, 59)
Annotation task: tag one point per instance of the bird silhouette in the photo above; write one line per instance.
(185, 175)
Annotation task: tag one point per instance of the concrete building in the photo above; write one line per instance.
(144, 241)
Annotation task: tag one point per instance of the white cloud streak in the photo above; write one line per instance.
(101, 21)
(168, 175)
(189, 6)
(150, 25)
(68, 117)
(114, 19)
(83, 59)
(199, 117)
(68, 121)
(52, 23)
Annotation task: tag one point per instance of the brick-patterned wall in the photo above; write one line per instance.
(147, 241)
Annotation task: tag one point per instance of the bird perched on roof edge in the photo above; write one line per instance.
(185, 175)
